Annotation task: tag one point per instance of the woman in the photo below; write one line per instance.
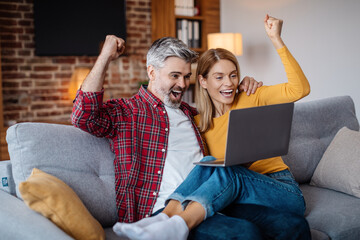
(207, 190)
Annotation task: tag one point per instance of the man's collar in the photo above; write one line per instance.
(155, 101)
(148, 96)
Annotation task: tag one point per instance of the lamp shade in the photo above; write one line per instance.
(229, 41)
(77, 78)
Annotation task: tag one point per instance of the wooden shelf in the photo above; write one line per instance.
(200, 18)
(164, 19)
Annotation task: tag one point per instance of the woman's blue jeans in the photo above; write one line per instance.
(217, 187)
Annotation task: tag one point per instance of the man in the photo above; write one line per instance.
(152, 134)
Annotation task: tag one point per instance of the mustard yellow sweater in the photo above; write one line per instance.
(296, 88)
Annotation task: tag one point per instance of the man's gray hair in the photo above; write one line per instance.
(166, 47)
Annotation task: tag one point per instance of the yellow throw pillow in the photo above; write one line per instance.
(56, 201)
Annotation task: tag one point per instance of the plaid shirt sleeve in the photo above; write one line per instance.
(92, 115)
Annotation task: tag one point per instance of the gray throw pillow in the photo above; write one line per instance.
(339, 167)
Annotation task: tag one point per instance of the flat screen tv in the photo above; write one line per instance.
(76, 27)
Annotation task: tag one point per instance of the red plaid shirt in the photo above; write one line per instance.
(138, 129)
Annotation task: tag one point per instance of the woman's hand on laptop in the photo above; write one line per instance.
(249, 85)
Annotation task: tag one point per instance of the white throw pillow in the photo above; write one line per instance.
(339, 167)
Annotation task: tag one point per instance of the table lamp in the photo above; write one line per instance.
(229, 41)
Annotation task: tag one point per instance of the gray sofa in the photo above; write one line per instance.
(85, 162)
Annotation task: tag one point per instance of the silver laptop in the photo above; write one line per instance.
(256, 133)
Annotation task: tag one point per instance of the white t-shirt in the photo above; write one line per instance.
(183, 150)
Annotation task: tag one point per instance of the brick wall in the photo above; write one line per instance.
(36, 88)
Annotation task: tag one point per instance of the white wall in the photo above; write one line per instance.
(323, 35)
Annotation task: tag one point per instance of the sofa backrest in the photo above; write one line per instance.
(85, 162)
(82, 161)
(315, 123)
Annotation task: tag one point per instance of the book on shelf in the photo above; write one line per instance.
(188, 31)
(185, 7)
(196, 28)
(185, 31)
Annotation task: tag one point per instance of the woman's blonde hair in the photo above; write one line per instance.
(203, 101)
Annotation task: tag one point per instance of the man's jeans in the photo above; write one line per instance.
(217, 187)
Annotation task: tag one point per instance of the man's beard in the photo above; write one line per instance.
(166, 97)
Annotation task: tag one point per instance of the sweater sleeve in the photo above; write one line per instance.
(296, 88)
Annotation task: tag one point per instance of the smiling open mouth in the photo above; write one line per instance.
(177, 94)
(227, 93)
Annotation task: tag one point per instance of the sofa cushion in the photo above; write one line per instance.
(17, 221)
(318, 235)
(56, 201)
(314, 126)
(82, 161)
(111, 235)
(339, 167)
(331, 212)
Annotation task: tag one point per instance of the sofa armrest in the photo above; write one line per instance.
(17, 221)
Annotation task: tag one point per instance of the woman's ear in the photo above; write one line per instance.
(202, 81)
(151, 72)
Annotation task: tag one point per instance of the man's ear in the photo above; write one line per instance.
(202, 81)
(151, 72)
